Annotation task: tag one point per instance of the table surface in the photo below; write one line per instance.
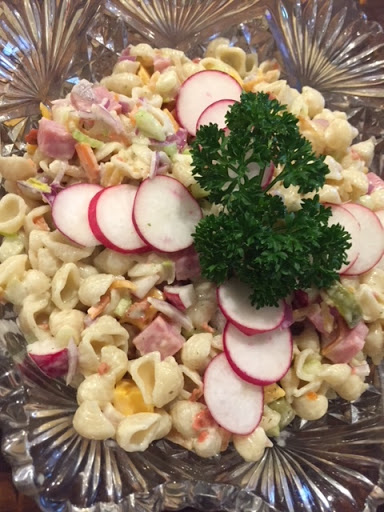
(10, 499)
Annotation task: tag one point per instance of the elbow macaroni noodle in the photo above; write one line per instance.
(65, 293)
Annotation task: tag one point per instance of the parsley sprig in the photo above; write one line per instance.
(255, 237)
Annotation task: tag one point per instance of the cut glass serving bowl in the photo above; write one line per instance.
(331, 465)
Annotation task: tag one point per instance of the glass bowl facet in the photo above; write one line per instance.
(334, 464)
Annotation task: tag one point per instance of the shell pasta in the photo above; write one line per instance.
(144, 325)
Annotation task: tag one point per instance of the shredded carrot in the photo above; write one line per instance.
(202, 436)
(175, 124)
(40, 223)
(203, 420)
(88, 161)
(95, 311)
(196, 394)
(311, 395)
(132, 114)
(207, 328)
(103, 368)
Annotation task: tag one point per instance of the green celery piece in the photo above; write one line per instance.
(149, 125)
(346, 304)
(85, 139)
(122, 307)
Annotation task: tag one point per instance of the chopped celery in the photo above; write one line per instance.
(122, 306)
(149, 125)
(285, 410)
(346, 304)
(81, 137)
(170, 150)
(186, 152)
(198, 192)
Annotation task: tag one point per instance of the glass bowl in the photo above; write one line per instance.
(331, 465)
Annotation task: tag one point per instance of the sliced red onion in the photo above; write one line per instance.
(125, 107)
(154, 166)
(72, 361)
(179, 138)
(49, 197)
(103, 115)
(171, 312)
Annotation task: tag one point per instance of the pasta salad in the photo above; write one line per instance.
(97, 258)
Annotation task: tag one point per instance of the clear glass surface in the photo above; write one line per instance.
(334, 464)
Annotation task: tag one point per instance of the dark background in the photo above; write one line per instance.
(10, 499)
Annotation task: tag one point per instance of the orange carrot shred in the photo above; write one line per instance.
(40, 223)
(88, 161)
(95, 311)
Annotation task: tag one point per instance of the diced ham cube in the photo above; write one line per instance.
(347, 345)
(161, 63)
(159, 336)
(54, 141)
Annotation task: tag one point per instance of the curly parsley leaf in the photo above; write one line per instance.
(255, 237)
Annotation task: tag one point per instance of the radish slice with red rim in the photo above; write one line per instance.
(260, 359)
(234, 404)
(201, 90)
(343, 217)
(215, 114)
(110, 218)
(70, 213)
(233, 300)
(165, 214)
(370, 241)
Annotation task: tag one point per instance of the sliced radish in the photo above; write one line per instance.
(165, 214)
(110, 218)
(70, 213)
(380, 215)
(259, 359)
(215, 113)
(201, 90)
(180, 296)
(268, 175)
(348, 221)
(51, 359)
(371, 239)
(235, 405)
(233, 300)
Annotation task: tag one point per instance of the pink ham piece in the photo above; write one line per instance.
(374, 182)
(347, 344)
(161, 63)
(54, 141)
(85, 94)
(187, 265)
(159, 336)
